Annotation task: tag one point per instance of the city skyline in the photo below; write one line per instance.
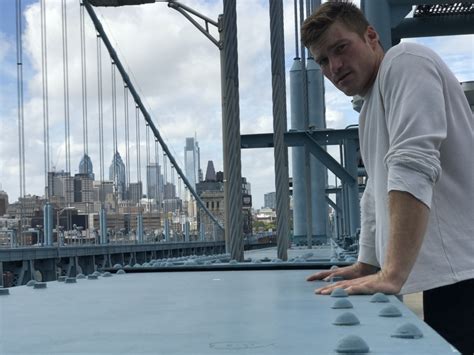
(192, 80)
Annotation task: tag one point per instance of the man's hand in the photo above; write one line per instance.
(354, 271)
(379, 282)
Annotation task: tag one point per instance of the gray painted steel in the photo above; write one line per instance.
(297, 123)
(279, 126)
(231, 133)
(317, 120)
(241, 312)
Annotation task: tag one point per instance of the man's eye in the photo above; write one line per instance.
(322, 62)
(340, 48)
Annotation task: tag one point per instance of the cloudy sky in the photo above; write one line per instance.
(175, 69)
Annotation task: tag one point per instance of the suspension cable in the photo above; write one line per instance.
(139, 175)
(85, 133)
(21, 127)
(157, 182)
(67, 133)
(296, 30)
(44, 77)
(127, 144)
(114, 132)
(148, 167)
(101, 113)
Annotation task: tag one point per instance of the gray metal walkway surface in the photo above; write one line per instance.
(216, 312)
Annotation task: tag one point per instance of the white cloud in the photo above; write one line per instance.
(177, 72)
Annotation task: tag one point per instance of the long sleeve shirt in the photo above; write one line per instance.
(417, 136)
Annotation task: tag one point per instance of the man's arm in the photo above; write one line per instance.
(408, 221)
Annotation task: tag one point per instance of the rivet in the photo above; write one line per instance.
(379, 298)
(107, 274)
(40, 285)
(346, 318)
(137, 265)
(4, 291)
(390, 311)
(339, 292)
(62, 278)
(408, 331)
(80, 276)
(233, 262)
(96, 273)
(334, 267)
(117, 266)
(92, 277)
(352, 344)
(71, 280)
(30, 283)
(121, 272)
(342, 303)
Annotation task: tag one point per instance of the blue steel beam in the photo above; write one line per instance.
(295, 138)
(312, 139)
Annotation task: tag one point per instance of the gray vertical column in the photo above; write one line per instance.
(186, 231)
(103, 226)
(48, 224)
(139, 228)
(377, 13)
(231, 132)
(202, 232)
(316, 115)
(279, 125)
(167, 230)
(350, 152)
(297, 153)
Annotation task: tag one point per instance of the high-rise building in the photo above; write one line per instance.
(169, 191)
(210, 171)
(269, 200)
(136, 192)
(61, 185)
(86, 167)
(83, 188)
(3, 202)
(192, 165)
(117, 175)
(153, 182)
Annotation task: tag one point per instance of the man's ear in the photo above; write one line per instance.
(372, 36)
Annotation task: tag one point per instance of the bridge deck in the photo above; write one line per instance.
(215, 312)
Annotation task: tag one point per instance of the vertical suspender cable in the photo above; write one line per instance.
(21, 126)
(44, 76)
(148, 167)
(67, 133)
(139, 168)
(296, 29)
(127, 154)
(85, 133)
(114, 133)
(157, 177)
(165, 181)
(101, 118)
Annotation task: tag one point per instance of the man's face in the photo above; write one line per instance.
(348, 61)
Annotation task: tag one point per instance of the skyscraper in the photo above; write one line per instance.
(153, 182)
(86, 167)
(117, 175)
(210, 171)
(192, 165)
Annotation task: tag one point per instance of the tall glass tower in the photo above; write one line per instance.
(117, 175)
(85, 166)
(192, 164)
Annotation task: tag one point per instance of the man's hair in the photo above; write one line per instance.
(328, 13)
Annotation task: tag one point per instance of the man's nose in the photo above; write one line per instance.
(335, 64)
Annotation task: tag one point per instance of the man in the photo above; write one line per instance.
(416, 138)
